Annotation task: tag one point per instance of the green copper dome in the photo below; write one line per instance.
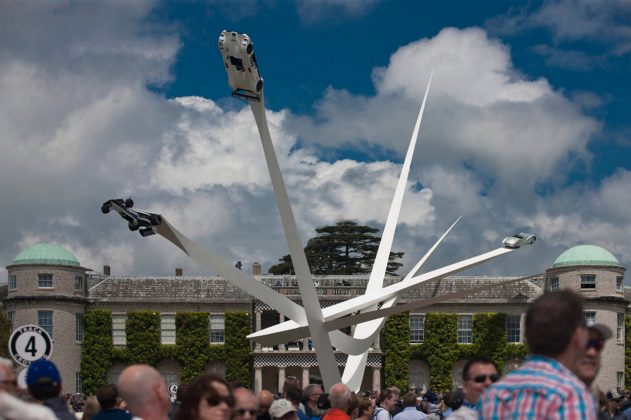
(586, 255)
(44, 253)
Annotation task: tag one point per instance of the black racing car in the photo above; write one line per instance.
(140, 220)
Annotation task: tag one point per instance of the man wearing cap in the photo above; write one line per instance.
(44, 384)
(283, 410)
(11, 407)
(589, 365)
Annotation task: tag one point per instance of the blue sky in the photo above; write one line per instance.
(526, 126)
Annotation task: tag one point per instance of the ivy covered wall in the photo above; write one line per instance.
(440, 349)
(192, 349)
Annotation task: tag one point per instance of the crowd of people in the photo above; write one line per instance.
(554, 382)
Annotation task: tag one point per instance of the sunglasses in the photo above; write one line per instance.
(242, 411)
(215, 400)
(596, 343)
(480, 379)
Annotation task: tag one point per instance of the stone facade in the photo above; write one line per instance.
(67, 291)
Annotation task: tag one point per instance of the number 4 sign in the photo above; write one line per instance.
(29, 343)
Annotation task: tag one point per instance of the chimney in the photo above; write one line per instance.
(179, 272)
(256, 269)
(106, 270)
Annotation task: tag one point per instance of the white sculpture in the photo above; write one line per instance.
(322, 325)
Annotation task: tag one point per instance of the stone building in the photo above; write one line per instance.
(48, 287)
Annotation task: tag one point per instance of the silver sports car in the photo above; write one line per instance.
(243, 72)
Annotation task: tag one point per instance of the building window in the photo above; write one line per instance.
(554, 284)
(417, 328)
(119, 338)
(216, 326)
(590, 316)
(619, 284)
(78, 329)
(13, 281)
(588, 281)
(620, 379)
(167, 328)
(465, 328)
(78, 383)
(620, 328)
(513, 328)
(78, 283)
(44, 280)
(11, 316)
(45, 320)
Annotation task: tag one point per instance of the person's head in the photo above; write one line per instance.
(388, 399)
(91, 407)
(107, 396)
(43, 380)
(477, 375)
(264, 401)
(244, 404)
(282, 410)
(555, 327)
(340, 396)
(589, 364)
(311, 394)
(294, 395)
(365, 409)
(143, 389)
(290, 382)
(454, 399)
(8, 380)
(409, 399)
(208, 397)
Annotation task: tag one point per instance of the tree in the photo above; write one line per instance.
(343, 248)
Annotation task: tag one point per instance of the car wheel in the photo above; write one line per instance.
(133, 226)
(259, 85)
(105, 208)
(129, 203)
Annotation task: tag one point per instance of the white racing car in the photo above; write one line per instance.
(240, 62)
(518, 239)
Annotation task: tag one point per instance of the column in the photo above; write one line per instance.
(305, 376)
(281, 319)
(376, 345)
(257, 315)
(281, 378)
(376, 379)
(258, 379)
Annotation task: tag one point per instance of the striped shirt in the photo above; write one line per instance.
(541, 388)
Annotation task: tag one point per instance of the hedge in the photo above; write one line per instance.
(192, 349)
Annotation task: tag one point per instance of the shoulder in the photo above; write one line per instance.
(464, 413)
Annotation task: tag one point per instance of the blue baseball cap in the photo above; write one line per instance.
(42, 372)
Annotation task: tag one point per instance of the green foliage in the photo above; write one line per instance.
(5, 333)
(143, 337)
(191, 343)
(96, 350)
(192, 349)
(489, 337)
(440, 349)
(238, 325)
(396, 346)
(440, 340)
(343, 248)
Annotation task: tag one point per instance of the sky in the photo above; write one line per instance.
(526, 126)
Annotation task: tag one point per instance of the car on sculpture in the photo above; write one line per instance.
(139, 220)
(239, 60)
(518, 240)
